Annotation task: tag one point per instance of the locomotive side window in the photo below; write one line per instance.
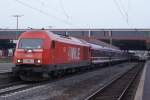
(53, 44)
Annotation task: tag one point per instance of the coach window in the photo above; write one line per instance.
(53, 44)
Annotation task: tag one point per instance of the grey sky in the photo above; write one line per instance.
(75, 13)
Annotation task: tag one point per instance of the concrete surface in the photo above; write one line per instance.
(5, 67)
(143, 91)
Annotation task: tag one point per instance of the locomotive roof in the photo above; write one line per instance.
(61, 38)
(66, 39)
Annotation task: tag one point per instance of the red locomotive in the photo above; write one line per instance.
(40, 54)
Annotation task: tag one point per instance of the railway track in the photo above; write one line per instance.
(118, 87)
(21, 86)
(14, 88)
(7, 79)
(17, 86)
(5, 74)
(8, 84)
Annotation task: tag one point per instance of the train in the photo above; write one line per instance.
(40, 54)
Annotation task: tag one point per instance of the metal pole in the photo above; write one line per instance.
(17, 19)
(66, 33)
(110, 37)
(17, 22)
(89, 34)
(110, 56)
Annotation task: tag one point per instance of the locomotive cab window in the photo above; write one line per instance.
(27, 43)
(53, 44)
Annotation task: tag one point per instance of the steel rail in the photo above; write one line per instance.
(113, 81)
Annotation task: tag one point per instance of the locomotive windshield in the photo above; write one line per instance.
(30, 44)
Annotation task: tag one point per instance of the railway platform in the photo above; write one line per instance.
(143, 90)
(5, 67)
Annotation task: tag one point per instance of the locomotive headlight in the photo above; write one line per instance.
(18, 60)
(39, 61)
(29, 51)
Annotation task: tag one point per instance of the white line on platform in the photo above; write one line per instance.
(139, 92)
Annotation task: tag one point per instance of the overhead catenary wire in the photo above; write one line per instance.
(123, 8)
(42, 2)
(56, 11)
(53, 9)
(63, 9)
(119, 9)
(124, 15)
(126, 11)
(43, 12)
(128, 6)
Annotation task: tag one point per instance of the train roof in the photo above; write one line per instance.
(67, 39)
(77, 41)
(99, 47)
(98, 42)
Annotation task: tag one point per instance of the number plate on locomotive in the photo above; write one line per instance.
(31, 61)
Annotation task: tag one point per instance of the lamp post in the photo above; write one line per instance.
(17, 19)
(17, 16)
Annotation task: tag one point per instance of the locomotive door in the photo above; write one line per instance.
(85, 53)
(53, 46)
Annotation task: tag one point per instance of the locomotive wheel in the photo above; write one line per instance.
(54, 74)
(69, 71)
(45, 75)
